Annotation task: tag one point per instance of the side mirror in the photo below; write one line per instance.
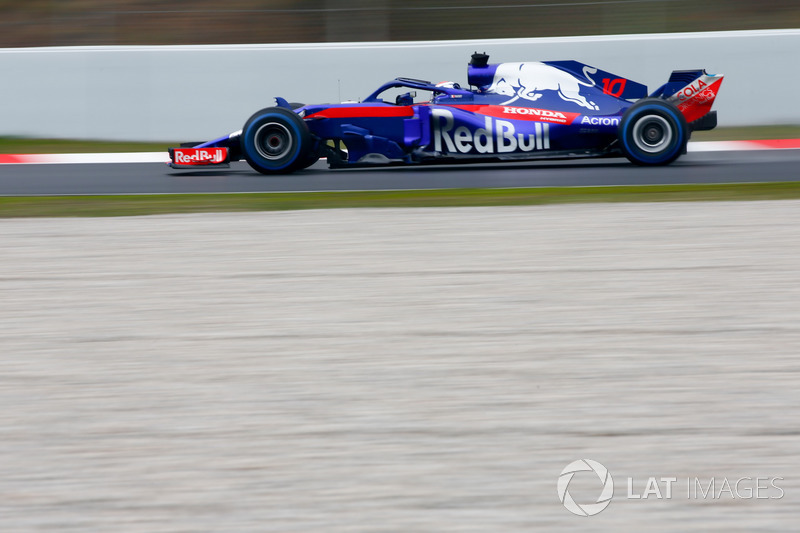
(406, 98)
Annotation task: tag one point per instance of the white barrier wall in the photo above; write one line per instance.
(172, 93)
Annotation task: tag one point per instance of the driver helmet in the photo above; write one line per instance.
(448, 85)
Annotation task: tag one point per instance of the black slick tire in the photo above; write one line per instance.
(276, 141)
(652, 132)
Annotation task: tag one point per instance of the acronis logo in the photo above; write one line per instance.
(600, 121)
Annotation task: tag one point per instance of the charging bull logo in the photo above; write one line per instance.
(528, 80)
(497, 136)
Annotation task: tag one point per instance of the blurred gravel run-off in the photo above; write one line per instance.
(398, 369)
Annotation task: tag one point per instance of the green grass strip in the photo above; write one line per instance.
(22, 145)
(748, 133)
(132, 205)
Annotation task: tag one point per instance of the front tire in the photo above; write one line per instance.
(653, 132)
(276, 141)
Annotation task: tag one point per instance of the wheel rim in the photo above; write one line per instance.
(652, 134)
(273, 141)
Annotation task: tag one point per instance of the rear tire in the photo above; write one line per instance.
(653, 132)
(276, 141)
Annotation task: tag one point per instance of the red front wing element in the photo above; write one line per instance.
(199, 157)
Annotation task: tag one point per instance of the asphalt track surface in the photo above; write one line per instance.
(157, 178)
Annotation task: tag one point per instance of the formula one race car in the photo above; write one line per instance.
(512, 112)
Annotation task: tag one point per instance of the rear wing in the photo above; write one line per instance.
(692, 91)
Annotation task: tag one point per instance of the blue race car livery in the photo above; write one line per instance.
(511, 112)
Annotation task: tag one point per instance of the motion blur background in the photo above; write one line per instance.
(382, 370)
(161, 22)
